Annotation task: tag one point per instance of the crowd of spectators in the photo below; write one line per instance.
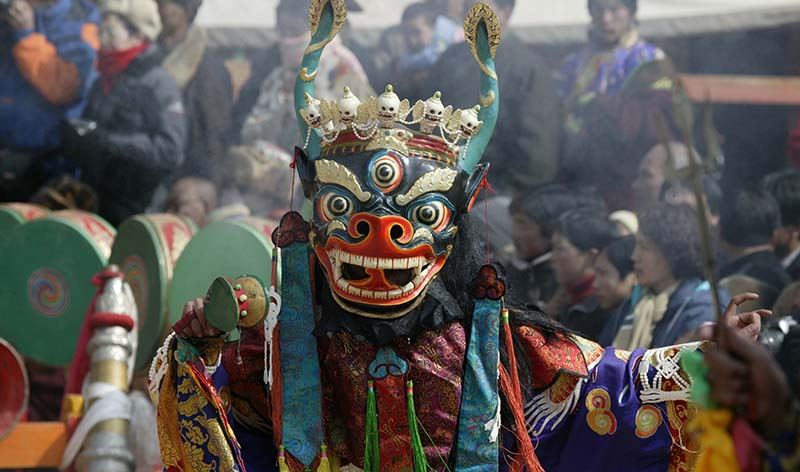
(122, 107)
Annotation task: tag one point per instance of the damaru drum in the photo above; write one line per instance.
(146, 250)
(227, 249)
(45, 284)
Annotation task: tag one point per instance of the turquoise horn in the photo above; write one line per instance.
(482, 32)
(326, 18)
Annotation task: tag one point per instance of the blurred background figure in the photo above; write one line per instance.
(395, 45)
(534, 219)
(654, 171)
(784, 187)
(205, 83)
(748, 221)
(614, 51)
(47, 54)
(193, 198)
(614, 279)
(523, 152)
(132, 135)
(66, 193)
(577, 240)
(675, 300)
(427, 36)
(265, 109)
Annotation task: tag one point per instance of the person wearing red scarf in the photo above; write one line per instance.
(131, 138)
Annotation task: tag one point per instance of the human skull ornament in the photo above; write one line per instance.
(434, 110)
(470, 124)
(348, 107)
(311, 113)
(388, 107)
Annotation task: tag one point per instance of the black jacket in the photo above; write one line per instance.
(139, 141)
(763, 266)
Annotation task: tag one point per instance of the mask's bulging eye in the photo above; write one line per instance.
(434, 214)
(386, 173)
(334, 205)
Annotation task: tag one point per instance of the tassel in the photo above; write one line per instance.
(718, 449)
(324, 463)
(371, 453)
(420, 462)
(509, 384)
(282, 465)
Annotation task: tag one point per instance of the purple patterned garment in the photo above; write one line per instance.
(605, 426)
(603, 72)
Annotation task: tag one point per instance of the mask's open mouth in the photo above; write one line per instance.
(379, 278)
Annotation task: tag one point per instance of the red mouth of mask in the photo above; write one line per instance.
(376, 271)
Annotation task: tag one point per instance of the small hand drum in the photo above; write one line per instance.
(225, 249)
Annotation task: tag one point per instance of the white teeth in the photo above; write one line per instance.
(385, 263)
(420, 265)
(371, 262)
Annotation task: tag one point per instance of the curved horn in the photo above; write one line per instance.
(325, 19)
(482, 32)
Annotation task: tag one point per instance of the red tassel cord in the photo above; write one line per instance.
(510, 387)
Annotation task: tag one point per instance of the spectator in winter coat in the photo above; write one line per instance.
(748, 222)
(132, 135)
(674, 301)
(205, 83)
(47, 55)
(785, 189)
(523, 151)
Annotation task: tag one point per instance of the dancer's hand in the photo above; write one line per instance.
(193, 322)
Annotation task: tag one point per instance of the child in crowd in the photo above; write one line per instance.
(614, 278)
(427, 35)
(577, 240)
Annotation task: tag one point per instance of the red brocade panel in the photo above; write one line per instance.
(435, 366)
(393, 437)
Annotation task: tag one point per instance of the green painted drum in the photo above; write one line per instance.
(146, 249)
(15, 214)
(225, 249)
(45, 284)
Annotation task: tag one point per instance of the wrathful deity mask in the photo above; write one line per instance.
(390, 181)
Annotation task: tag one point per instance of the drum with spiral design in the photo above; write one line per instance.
(45, 284)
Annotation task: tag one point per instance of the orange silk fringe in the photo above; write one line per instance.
(510, 386)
